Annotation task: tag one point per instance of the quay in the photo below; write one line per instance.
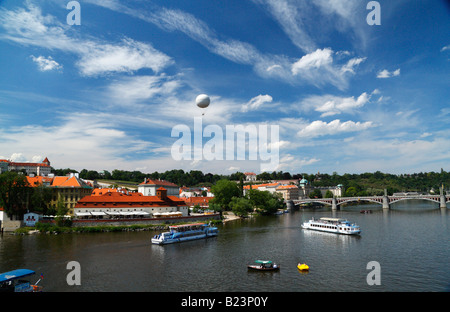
(141, 221)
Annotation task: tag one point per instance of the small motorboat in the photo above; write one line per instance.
(303, 267)
(263, 265)
(12, 281)
(365, 211)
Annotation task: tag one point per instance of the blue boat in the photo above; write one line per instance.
(185, 232)
(12, 281)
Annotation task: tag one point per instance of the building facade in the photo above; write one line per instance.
(68, 189)
(149, 187)
(39, 169)
(289, 192)
(123, 204)
(250, 176)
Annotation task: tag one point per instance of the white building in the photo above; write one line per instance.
(39, 169)
(250, 176)
(149, 187)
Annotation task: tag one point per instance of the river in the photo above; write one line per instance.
(410, 242)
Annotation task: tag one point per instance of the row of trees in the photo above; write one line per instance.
(356, 184)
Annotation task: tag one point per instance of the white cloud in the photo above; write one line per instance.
(256, 102)
(29, 27)
(318, 68)
(78, 137)
(314, 60)
(45, 64)
(292, 18)
(330, 105)
(127, 56)
(320, 128)
(141, 88)
(352, 63)
(387, 74)
(315, 68)
(301, 20)
(447, 47)
(18, 157)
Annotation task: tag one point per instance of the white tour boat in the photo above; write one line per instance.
(332, 225)
(185, 232)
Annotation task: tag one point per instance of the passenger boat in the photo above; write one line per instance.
(263, 265)
(332, 225)
(185, 232)
(12, 281)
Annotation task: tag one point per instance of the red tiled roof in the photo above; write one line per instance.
(130, 200)
(25, 164)
(287, 187)
(102, 191)
(256, 186)
(38, 180)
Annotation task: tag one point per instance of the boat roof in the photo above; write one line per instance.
(185, 225)
(263, 261)
(332, 219)
(11, 275)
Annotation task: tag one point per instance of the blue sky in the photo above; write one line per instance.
(347, 97)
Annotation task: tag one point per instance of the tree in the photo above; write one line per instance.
(61, 211)
(40, 198)
(241, 206)
(14, 193)
(224, 191)
(316, 193)
(328, 194)
(265, 202)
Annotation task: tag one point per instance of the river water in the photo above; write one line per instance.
(410, 242)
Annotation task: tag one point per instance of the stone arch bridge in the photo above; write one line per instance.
(385, 200)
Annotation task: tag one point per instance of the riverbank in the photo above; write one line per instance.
(229, 216)
(50, 228)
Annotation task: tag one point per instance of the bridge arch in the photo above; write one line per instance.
(414, 198)
(380, 202)
(299, 202)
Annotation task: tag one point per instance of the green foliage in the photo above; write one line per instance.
(241, 206)
(316, 193)
(265, 202)
(14, 193)
(40, 199)
(224, 191)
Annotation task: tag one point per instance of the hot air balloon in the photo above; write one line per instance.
(202, 101)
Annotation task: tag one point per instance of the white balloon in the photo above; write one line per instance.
(202, 101)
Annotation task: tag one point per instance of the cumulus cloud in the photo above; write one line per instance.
(256, 102)
(320, 128)
(330, 105)
(387, 74)
(319, 67)
(45, 64)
